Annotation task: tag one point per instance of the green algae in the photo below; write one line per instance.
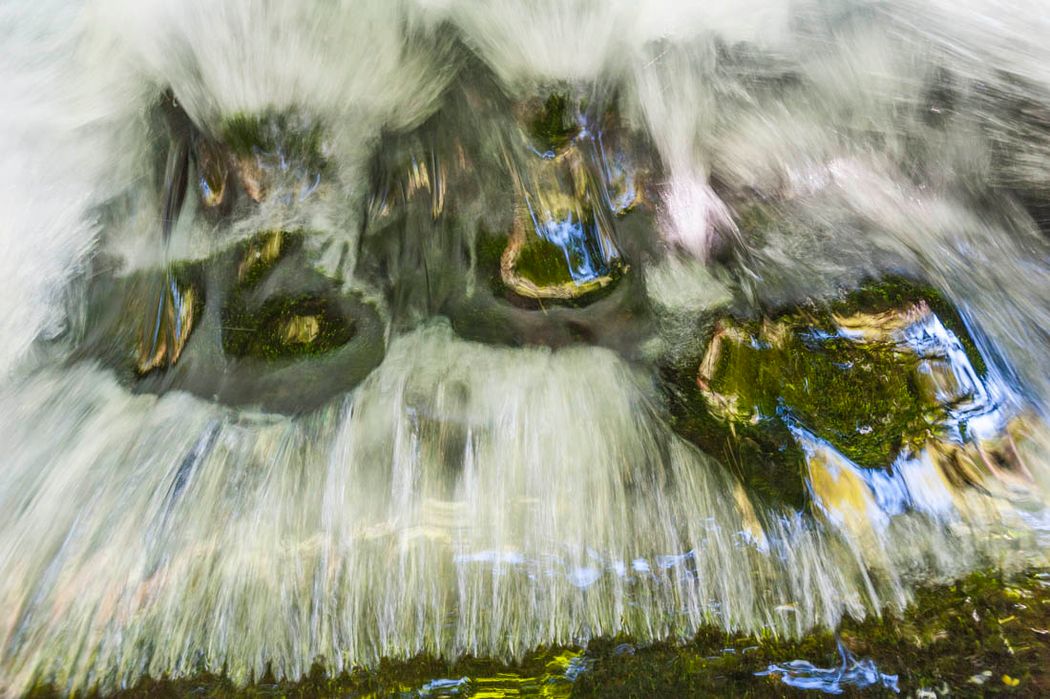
(274, 132)
(987, 633)
(542, 262)
(285, 326)
(274, 331)
(555, 123)
(862, 398)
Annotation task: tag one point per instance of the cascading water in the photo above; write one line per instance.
(358, 330)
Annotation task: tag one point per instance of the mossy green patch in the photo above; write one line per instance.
(287, 135)
(284, 328)
(861, 397)
(555, 124)
(985, 634)
(761, 454)
(259, 255)
(865, 397)
(897, 292)
(542, 262)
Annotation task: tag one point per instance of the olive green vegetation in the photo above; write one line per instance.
(264, 334)
(555, 124)
(978, 636)
(542, 262)
(762, 454)
(984, 634)
(283, 327)
(259, 255)
(277, 132)
(862, 397)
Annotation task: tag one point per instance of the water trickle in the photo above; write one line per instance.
(853, 672)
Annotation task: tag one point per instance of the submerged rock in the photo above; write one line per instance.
(562, 245)
(166, 329)
(872, 406)
(275, 154)
(267, 329)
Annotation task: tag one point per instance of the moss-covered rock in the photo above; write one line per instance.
(561, 246)
(259, 254)
(863, 397)
(275, 151)
(553, 123)
(864, 374)
(539, 267)
(887, 371)
(283, 326)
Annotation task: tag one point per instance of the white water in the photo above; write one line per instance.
(480, 498)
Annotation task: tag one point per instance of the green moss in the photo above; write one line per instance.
(283, 327)
(984, 627)
(860, 397)
(865, 398)
(265, 334)
(555, 124)
(261, 253)
(543, 263)
(761, 454)
(288, 134)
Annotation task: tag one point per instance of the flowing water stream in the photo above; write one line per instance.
(357, 330)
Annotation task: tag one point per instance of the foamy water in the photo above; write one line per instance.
(494, 477)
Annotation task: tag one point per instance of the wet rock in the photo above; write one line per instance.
(861, 394)
(265, 318)
(166, 329)
(275, 154)
(212, 171)
(562, 245)
(267, 329)
(551, 123)
(850, 406)
(285, 327)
